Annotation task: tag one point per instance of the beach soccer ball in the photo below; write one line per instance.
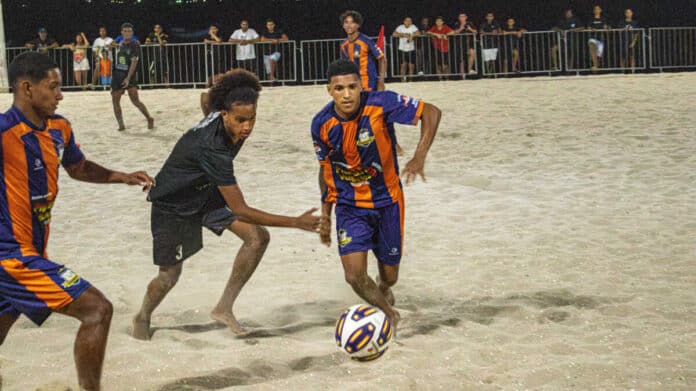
(363, 332)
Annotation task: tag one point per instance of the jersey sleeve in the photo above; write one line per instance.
(401, 109)
(374, 49)
(344, 55)
(217, 165)
(320, 148)
(71, 152)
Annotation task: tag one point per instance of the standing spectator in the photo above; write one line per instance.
(214, 51)
(407, 49)
(489, 30)
(512, 34)
(125, 76)
(463, 26)
(43, 42)
(245, 38)
(363, 51)
(80, 60)
(159, 67)
(423, 49)
(629, 39)
(101, 51)
(440, 41)
(569, 23)
(597, 37)
(273, 35)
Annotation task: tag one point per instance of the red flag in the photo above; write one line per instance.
(380, 39)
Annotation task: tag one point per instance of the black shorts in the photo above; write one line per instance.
(407, 57)
(117, 79)
(175, 238)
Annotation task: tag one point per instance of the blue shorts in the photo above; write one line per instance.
(379, 230)
(36, 287)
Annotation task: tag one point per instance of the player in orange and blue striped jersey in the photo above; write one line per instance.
(363, 51)
(359, 173)
(34, 142)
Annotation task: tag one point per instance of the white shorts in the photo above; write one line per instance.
(81, 66)
(267, 60)
(490, 54)
(599, 44)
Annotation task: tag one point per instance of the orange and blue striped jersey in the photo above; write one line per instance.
(359, 155)
(29, 160)
(365, 53)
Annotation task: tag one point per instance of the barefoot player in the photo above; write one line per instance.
(197, 188)
(359, 173)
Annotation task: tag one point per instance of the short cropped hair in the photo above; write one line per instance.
(340, 68)
(236, 87)
(30, 65)
(357, 17)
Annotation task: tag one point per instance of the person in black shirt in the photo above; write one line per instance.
(159, 67)
(597, 38)
(197, 188)
(489, 31)
(271, 53)
(463, 26)
(511, 43)
(124, 77)
(43, 42)
(629, 39)
(569, 23)
(214, 51)
(424, 51)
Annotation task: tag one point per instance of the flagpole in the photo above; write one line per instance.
(4, 85)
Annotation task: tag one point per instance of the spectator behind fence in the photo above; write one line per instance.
(43, 42)
(101, 52)
(489, 30)
(80, 60)
(569, 23)
(629, 39)
(363, 51)
(407, 48)
(126, 75)
(423, 49)
(440, 41)
(159, 66)
(245, 38)
(272, 55)
(214, 50)
(463, 26)
(598, 38)
(512, 34)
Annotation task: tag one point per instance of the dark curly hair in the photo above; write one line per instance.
(357, 17)
(236, 87)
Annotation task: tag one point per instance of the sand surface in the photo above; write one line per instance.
(552, 247)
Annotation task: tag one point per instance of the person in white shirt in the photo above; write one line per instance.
(245, 38)
(101, 49)
(407, 48)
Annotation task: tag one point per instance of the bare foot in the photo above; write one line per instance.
(141, 328)
(150, 123)
(231, 322)
(121, 127)
(394, 319)
(386, 291)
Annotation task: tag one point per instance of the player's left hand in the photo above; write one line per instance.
(125, 83)
(325, 230)
(139, 178)
(414, 168)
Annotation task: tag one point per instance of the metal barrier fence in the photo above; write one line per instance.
(431, 56)
(522, 53)
(606, 50)
(316, 55)
(259, 59)
(672, 47)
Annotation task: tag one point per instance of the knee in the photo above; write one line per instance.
(260, 238)
(168, 277)
(101, 313)
(134, 99)
(355, 279)
(390, 279)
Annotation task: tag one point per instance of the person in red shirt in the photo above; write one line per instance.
(440, 42)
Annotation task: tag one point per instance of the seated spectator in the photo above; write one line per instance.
(244, 38)
(439, 32)
(272, 53)
(407, 49)
(43, 42)
(80, 60)
(463, 26)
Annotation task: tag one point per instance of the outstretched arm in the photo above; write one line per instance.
(235, 200)
(88, 171)
(326, 210)
(430, 120)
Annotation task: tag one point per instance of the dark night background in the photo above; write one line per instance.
(304, 19)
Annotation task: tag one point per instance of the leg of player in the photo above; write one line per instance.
(156, 291)
(116, 100)
(256, 240)
(94, 312)
(6, 322)
(355, 269)
(387, 278)
(133, 95)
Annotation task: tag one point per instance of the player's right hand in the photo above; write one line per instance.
(308, 221)
(325, 230)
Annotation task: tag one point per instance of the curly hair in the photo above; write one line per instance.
(357, 17)
(236, 87)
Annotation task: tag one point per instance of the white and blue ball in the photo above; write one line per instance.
(363, 332)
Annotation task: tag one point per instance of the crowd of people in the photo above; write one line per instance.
(421, 49)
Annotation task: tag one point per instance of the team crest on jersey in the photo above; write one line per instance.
(60, 148)
(343, 238)
(365, 137)
(69, 277)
